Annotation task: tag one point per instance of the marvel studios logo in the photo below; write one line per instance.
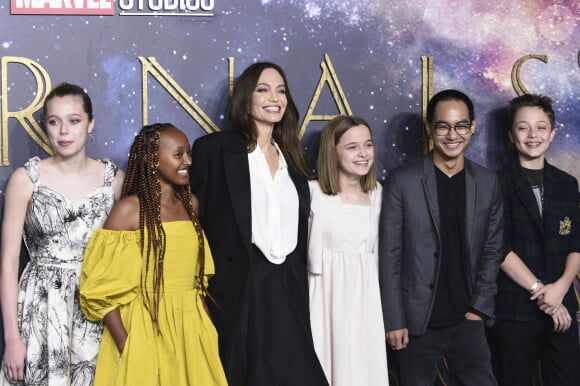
(62, 7)
(166, 7)
(191, 8)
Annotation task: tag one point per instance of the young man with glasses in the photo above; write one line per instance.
(439, 253)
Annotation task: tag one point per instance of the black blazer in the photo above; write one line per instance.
(220, 178)
(543, 242)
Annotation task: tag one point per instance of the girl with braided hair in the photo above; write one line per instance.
(145, 274)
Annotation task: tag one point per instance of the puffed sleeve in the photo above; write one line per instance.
(111, 271)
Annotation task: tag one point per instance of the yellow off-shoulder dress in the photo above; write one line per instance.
(184, 352)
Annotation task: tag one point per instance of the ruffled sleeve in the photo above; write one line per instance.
(111, 272)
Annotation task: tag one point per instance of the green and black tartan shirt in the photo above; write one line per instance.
(543, 242)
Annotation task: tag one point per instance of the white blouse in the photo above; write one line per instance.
(274, 207)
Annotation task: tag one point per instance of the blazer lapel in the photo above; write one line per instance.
(302, 188)
(551, 197)
(429, 183)
(471, 201)
(237, 172)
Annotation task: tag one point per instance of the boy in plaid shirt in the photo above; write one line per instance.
(535, 305)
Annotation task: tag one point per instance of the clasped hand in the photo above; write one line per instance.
(549, 299)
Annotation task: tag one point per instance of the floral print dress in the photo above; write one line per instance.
(61, 345)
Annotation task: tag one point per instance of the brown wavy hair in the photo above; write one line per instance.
(142, 180)
(543, 102)
(285, 132)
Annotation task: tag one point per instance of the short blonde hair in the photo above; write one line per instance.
(327, 162)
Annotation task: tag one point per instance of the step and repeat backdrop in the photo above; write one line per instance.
(145, 61)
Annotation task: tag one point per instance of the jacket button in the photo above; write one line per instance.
(431, 286)
(230, 258)
(436, 255)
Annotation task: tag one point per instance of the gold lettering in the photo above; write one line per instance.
(231, 61)
(330, 78)
(25, 116)
(516, 80)
(151, 66)
(427, 64)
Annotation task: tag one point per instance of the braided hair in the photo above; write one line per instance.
(142, 180)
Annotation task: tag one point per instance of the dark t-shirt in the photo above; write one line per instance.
(452, 295)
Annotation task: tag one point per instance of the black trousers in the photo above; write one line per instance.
(464, 347)
(524, 350)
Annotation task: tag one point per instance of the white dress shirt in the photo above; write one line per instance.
(274, 207)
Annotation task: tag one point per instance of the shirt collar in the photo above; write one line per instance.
(282, 164)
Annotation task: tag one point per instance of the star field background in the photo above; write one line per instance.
(375, 47)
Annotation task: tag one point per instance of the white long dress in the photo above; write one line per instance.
(345, 304)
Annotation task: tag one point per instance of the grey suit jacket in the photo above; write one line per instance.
(410, 242)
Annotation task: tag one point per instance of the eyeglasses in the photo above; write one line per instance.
(461, 128)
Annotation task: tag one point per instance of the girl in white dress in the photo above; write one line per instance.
(345, 305)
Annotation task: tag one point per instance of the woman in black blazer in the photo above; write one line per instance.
(254, 206)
